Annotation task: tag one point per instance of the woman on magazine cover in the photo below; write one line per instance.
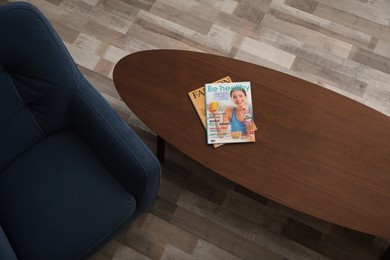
(237, 116)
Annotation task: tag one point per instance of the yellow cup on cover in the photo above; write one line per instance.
(214, 106)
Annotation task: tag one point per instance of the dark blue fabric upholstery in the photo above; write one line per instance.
(6, 251)
(47, 204)
(72, 172)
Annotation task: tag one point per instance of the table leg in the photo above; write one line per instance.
(386, 255)
(160, 149)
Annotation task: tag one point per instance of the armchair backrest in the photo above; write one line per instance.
(36, 82)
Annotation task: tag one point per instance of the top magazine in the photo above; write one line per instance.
(229, 113)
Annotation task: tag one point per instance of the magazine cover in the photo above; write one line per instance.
(229, 115)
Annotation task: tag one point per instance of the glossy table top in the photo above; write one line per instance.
(315, 151)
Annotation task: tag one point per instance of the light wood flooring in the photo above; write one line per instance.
(343, 45)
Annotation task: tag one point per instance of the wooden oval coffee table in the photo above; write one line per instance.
(315, 151)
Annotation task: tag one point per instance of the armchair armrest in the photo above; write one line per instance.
(116, 144)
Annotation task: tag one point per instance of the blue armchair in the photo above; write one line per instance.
(72, 172)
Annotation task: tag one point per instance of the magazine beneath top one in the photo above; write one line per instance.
(229, 117)
(198, 100)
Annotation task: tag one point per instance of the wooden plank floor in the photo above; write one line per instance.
(343, 45)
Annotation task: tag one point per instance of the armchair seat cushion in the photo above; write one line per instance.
(57, 198)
